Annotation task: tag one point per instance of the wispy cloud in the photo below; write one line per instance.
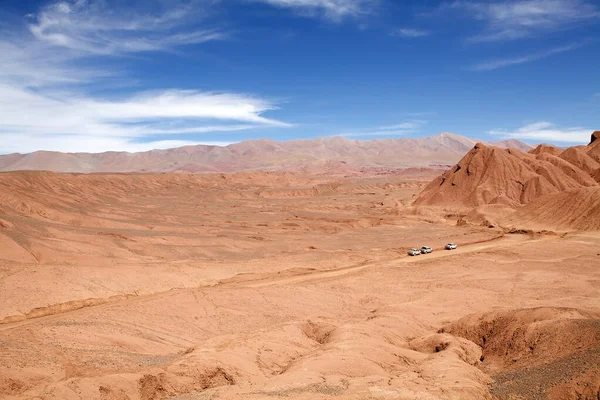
(73, 120)
(46, 67)
(31, 63)
(509, 20)
(73, 114)
(334, 10)
(401, 129)
(92, 144)
(93, 27)
(54, 45)
(546, 131)
(410, 33)
(506, 62)
(420, 114)
(373, 134)
(407, 125)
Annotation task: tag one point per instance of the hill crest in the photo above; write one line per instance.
(548, 187)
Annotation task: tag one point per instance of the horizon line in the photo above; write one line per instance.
(208, 144)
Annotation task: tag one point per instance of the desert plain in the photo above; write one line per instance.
(279, 285)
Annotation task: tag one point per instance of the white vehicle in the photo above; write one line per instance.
(426, 250)
(450, 246)
(414, 252)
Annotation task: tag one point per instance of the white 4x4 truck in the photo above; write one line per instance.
(414, 252)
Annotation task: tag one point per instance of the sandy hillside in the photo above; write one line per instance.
(547, 188)
(283, 285)
(330, 155)
(572, 209)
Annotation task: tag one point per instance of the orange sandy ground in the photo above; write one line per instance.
(266, 286)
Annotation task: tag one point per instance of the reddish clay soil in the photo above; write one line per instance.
(285, 285)
(547, 188)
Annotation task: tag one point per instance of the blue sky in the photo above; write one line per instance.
(98, 75)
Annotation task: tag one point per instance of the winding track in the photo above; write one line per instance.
(291, 277)
(504, 241)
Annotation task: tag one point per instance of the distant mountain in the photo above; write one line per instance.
(263, 154)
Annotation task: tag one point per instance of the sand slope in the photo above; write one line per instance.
(577, 209)
(551, 188)
(546, 148)
(578, 157)
(489, 175)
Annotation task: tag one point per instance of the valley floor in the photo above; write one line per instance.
(260, 286)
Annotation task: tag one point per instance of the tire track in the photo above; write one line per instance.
(45, 314)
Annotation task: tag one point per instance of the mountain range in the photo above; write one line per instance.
(316, 155)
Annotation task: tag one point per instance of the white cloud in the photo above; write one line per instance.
(332, 9)
(44, 107)
(410, 33)
(90, 144)
(407, 125)
(506, 62)
(90, 26)
(390, 133)
(401, 129)
(30, 117)
(546, 131)
(508, 20)
(54, 46)
(34, 64)
(421, 114)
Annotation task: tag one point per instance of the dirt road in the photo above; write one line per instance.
(503, 241)
(286, 277)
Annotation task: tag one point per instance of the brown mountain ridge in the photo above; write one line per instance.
(263, 154)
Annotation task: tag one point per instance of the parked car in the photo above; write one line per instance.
(450, 246)
(414, 252)
(426, 250)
